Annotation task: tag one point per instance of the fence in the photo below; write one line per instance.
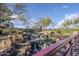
(67, 43)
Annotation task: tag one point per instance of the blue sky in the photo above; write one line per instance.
(56, 11)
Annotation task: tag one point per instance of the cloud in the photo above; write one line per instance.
(14, 16)
(17, 23)
(68, 17)
(64, 6)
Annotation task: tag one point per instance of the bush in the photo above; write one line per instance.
(59, 32)
(1, 31)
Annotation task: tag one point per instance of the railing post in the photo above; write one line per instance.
(72, 44)
(71, 51)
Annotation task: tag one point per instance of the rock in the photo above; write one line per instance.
(5, 44)
(75, 33)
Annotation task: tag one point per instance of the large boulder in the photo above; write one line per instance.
(4, 44)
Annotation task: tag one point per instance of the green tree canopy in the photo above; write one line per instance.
(44, 22)
(5, 13)
(21, 11)
(73, 21)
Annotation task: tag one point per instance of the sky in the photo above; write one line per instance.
(58, 12)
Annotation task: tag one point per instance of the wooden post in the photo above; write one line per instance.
(72, 43)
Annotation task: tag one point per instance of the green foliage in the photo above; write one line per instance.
(45, 21)
(70, 22)
(1, 31)
(63, 31)
(56, 31)
(5, 13)
(21, 11)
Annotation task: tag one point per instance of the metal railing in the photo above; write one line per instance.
(54, 48)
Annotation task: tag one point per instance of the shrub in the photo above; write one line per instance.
(1, 31)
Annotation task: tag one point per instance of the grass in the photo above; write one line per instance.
(63, 31)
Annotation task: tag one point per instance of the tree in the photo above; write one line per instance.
(9, 25)
(5, 14)
(44, 22)
(73, 21)
(21, 11)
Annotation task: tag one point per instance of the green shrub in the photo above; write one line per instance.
(1, 31)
